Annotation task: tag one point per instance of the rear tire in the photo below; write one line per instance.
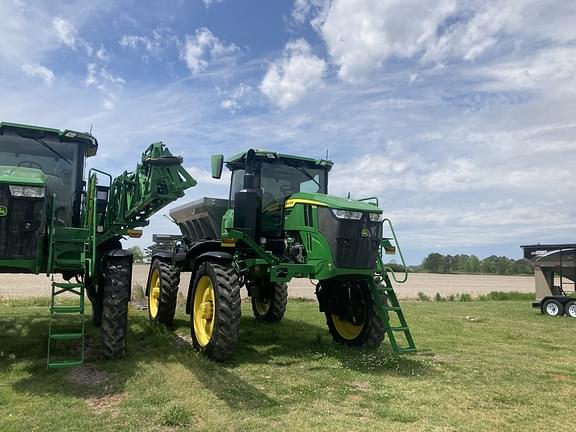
(570, 309)
(162, 289)
(215, 310)
(553, 307)
(360, 326)
(117, 272)
(272, 305)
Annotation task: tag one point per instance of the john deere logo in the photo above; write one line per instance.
(364, 232)
(3, 211)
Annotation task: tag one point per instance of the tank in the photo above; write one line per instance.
(200, 219)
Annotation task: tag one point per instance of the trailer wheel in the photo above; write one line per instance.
(367, 330)
(162, 289)
(215, 310)
(117, 267)
(272, 306)
(552, 307)
(570, 308)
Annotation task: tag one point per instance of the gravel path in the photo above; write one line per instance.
(13, 286)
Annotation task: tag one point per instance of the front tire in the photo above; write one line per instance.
(215, 310)
(553, 307)
(269, 305)
(117, 272)
(162, 289)
(351, 315)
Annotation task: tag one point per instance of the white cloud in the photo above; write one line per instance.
(237, 97)
(204, 47)
(209, 3)
(65, 31)
(293, 75)
(39, 71)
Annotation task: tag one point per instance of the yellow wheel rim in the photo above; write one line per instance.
(154, 294)
(262, 307)
(346, 329)
(204, 311)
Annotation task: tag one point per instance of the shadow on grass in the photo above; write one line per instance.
(281, 345)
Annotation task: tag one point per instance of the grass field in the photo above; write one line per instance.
(481, 366)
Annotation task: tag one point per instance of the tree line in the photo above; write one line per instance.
(438, 263)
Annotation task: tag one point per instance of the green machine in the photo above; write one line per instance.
(279, 223)
(52, 221)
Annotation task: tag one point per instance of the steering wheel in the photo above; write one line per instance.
(29, 164)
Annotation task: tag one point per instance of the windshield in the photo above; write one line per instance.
(60, 162)
(279, 180)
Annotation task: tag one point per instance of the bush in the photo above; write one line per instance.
(423, 297)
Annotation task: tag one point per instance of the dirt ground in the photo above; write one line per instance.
(13, 286)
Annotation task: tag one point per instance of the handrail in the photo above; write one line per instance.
(388, 269)
(370, 198)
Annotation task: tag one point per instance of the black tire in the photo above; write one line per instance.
(271, 305)
(168, 279)
(553, 307)
(570, 309)
(215, 317)
(366, 329)
(96, 291)
(117, 272)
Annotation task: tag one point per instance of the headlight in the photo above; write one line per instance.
(347, 214)
(376, 217)
(27, 191)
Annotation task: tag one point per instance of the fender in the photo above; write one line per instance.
(216, 256)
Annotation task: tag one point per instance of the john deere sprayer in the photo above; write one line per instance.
(279, 223)
(52, 221)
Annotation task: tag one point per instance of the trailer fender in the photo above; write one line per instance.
(215, 255)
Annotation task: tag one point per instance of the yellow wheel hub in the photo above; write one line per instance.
(346, 329)
(154, 294)
(262, 307)
(204, 313)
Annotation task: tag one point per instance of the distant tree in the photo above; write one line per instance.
(137, 254)
(434, 263)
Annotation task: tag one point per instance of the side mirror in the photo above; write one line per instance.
(217, 164)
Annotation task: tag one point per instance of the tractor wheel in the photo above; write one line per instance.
(570, 308)
(272, 306)
(162, 288)
(117, 269)
(553, 307)
(366, 329)
(215, 310)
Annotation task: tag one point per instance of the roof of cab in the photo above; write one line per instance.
(66, 135)
(266, 154)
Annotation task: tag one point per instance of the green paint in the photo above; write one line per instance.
(3, 211)
(22, 176)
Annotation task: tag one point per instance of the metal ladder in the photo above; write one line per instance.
(383, 289)
(59, 288)
(384, 309)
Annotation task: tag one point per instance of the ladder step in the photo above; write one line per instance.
(64, 364)
(406, 350)
(399, 328)
(66, 285)
(66, 309)
(391, 308)
(66, 336)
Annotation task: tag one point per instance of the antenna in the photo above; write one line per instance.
(326, 154)
(91, 128)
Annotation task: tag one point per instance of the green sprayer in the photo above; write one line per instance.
(279, 223)
(52, 221)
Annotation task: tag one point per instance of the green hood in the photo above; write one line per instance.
(332, 202)
(22, 176)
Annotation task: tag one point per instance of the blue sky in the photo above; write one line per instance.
(459, 115)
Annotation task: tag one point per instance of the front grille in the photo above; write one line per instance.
(349, 248)
(21, 226)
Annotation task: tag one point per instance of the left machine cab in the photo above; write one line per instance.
(41, 177)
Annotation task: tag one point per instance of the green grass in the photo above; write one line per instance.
(482, 365)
